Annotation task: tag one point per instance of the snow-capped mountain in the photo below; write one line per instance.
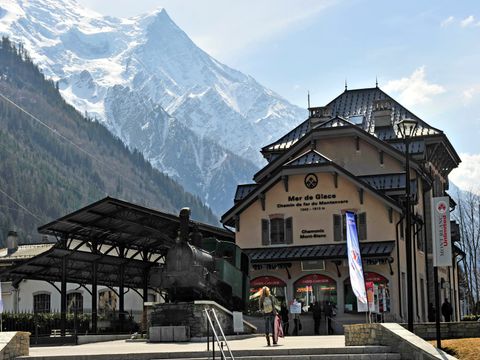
(193, 117)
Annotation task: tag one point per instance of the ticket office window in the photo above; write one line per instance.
(316, 287)
(381, 295)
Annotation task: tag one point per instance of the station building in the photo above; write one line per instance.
(347, 156)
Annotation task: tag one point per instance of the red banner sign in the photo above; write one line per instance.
(315, 279)
(267, 281)
(374, 277)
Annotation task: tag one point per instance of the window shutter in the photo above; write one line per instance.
(362, 226)
(265, 232)
(289, 230)
(337, 227)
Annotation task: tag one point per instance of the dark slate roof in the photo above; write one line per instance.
(335, 122)
(359, 102)
(243, 191)
(290, 138)
(318, 252)
(311, 157)
(385, 181)
(416, 146)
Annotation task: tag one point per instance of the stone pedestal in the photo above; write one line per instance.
(190, 315)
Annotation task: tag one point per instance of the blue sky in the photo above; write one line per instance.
(426, 54)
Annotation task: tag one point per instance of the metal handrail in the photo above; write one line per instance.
(223, 334)
(215, 336)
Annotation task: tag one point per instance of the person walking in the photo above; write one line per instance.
(317, 315)
(284, 316)
(447, 310)
(267, 307)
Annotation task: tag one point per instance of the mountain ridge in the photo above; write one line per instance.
(89, 54)
(42, 169)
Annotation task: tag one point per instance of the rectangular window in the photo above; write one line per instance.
(41, 303)
(340, 226)
(75, 303)
(277, 230)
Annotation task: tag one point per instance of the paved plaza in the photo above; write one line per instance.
(122, 347)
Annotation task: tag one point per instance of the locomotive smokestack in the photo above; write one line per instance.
(184, 225)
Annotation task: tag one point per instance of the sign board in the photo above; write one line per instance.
(295, 307)
(442, 243)
(237, 322)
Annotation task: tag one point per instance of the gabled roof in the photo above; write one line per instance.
(347, 129)
(358, 102)
(311, 157)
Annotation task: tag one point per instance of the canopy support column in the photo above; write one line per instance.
(94, 297)
(63, 297)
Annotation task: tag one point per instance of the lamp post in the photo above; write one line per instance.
(407, 128)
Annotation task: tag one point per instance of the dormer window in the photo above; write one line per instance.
(356, 119)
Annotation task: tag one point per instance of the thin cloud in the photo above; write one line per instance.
(467, 21)
(468, 172)
(414, 89)
(447, 21)
(470, 93)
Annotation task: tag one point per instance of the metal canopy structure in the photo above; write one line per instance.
(110, 242)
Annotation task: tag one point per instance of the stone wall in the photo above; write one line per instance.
(400, 340)
(13, 344)
(450, 330)
(192, 315)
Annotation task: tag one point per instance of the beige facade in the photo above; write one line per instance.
(291, 220)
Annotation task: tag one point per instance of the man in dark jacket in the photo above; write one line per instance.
(317, 315)
(447, 310)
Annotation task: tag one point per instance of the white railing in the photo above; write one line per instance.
(215, 338)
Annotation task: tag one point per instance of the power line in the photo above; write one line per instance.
(20, 205)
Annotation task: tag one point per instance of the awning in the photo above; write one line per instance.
(318, 252)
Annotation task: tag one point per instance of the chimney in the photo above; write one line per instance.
(382, 113)
(12, 242)
(184, 225)
(318, 115)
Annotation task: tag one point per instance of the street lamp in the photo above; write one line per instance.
(407, 129)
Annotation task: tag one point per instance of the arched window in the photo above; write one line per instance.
(107, 302)
(381, 294)
(277, 289)
(315, 287)
(75, 302)
(41, 303)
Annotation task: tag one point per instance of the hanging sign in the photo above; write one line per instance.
(442, 242)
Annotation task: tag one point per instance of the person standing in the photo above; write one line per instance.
(431, 313)
(267, 306)
(447, 310)
(317, 315)
(284, 316)
(329, 313)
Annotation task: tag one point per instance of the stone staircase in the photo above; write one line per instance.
(343, 353)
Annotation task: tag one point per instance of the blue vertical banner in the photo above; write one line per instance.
(355, 260)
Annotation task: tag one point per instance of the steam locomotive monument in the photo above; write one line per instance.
(198, 273)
